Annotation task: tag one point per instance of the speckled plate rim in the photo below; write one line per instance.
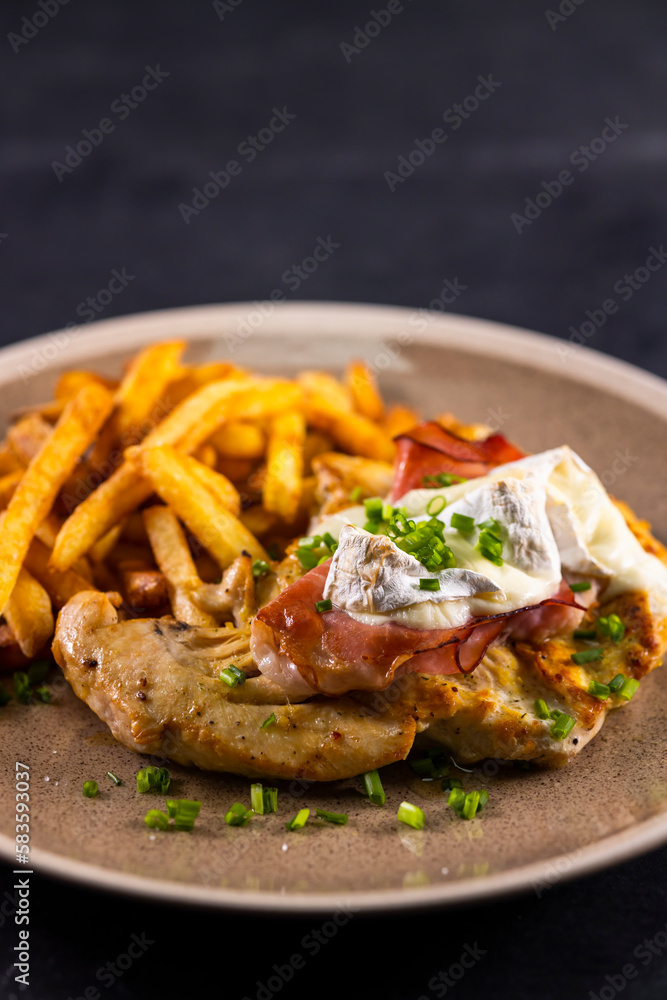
(325, 319)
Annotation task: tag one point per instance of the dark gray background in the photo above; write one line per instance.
(324, 176)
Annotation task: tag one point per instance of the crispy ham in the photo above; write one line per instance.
(429, 449)
(332, 652)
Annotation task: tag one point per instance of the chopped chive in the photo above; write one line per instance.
(273, 550)
(113, 777)
(442, 479)
(143, 781)
(237, 815)
(628, 688)
(321, 606)
(162, 780)
(598, 690)
(427, 583)
(585, 633)
(185, 813)
(298, 821)
(257, 798)
(263, 800)
(562, 726)
(260, 568)
(432, 766)
(340, 819)
(463, 523)
(471, 805)
(577, 588)
(355, 494)
(156, 820)
(373, 508)
(612, 627)
(449, 783)
(270, 800)
(307, 557)
(542, 709)
(5, 697)
(588, 655)
(456, 799)
(90, 789)
(268, 722)
(373, 788)
(232, 676)
(172, 806)
(617, 683)
(22, 687)
(435, 505)
(37, 671)
(42, 693)
(484, 797)
(411, 815)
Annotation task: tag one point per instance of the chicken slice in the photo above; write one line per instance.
(155, 683)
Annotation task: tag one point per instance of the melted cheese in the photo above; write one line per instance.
(557, 518)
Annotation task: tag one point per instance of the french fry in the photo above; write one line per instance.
(316, 443)
(220, 488)
(238, 439)
(258, 519)
(217, 530)
(141, 398)
(191, 419)
(186, 427)
(237, 470)
(172, 555)
(207, 455)
(350, 431)
(104, 545)
(70, 383)
(323, 386)
(196, 377)
(113, 500)
(363, 388)
(59, 586)
(49, 469)
(264, 398)
(399, 419)
(28, 613)
(8, 484)
(8, 460)
(27, 436)
(284, 465)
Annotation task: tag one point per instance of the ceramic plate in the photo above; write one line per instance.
(538, 827)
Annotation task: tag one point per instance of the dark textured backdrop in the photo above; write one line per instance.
(555, 79)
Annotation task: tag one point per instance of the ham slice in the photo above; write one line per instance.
(428, 449)
(332, 652)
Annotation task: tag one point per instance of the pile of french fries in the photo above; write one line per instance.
(152, 486)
